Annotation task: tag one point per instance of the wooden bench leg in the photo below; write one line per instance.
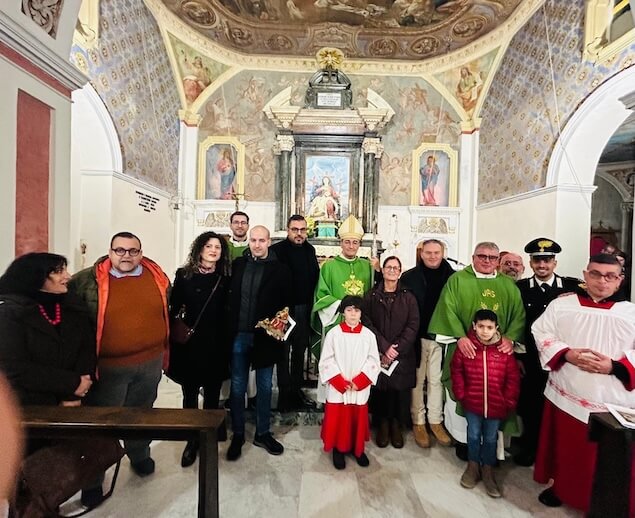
(208, 475)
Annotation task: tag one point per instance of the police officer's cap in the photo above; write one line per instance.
(542, 247)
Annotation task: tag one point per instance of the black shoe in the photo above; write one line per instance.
(92, 497)
(236, 447)
(189, 454)
(524, 458)
(362, 460)
(338, 459)
(305, 402)
(461, 451)
(144, 467)
(267, 442)
(549, 498)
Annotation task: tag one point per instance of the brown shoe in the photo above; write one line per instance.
(382, 436)
(471, 475)
(490, 482)
(396, 437)
(421, 435)
(440, 434)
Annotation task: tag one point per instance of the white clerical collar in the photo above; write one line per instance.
(480, 275)
(134, 273)
(238, 243)
(341, 256)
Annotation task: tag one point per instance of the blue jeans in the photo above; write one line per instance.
(243, 343)
(479, 427)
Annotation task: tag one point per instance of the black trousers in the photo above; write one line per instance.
(291, 374)
(391, 404)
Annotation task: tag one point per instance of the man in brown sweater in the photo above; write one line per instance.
(127, 295)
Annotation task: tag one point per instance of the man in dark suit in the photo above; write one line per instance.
(537, 292)
(299, 255)
(259, 289)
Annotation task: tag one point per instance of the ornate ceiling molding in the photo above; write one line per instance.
(171, 22)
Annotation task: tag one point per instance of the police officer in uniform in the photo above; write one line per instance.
(537, 292)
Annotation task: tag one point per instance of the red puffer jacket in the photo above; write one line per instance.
(489, 384)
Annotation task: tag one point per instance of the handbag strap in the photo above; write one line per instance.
(106, 496)
(198, 318)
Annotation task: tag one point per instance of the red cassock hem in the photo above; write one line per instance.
(565, 455)
(345, 427)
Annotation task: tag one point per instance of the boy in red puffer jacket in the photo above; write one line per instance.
(487, 387)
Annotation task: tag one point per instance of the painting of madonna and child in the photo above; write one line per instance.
(326, 192)
(221, 164)
(434, 176)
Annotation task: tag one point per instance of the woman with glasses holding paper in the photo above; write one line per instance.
(198, 299)
(392, 313)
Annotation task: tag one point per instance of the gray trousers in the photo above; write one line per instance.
(128, 386)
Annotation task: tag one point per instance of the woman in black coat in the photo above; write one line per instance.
(204, 360)
(47, 345)
(391, 312)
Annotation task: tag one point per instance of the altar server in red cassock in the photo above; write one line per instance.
(349, 365)
(587, 343)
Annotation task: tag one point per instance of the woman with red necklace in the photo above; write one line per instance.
(47, 349)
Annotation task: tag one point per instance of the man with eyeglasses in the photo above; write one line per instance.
(237, 242)
(512, 265)
(478, 286)
(587, 344)
(127, 295)
(299, 255)
(537, 292)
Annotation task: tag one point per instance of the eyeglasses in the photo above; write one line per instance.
(485, 257)
(240, 223)
(610, 277)
(133, 252)
(298, 230)
(392, 268)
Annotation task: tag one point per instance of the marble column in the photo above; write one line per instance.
(186, 183)
(627, 222)
(373, 149)
(283, 147)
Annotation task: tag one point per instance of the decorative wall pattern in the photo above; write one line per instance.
(385, 29)
(45, 14)
(520, 126)
(421, 115)
(130, 70)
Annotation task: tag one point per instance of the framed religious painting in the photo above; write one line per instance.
(221, 165)
(434, 175)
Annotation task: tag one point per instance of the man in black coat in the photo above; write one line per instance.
(537, 292)
(426, 280)
(299, 255)
(259, 289)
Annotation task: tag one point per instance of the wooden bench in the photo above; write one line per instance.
(139, 423)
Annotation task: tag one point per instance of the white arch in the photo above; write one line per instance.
(577, 152)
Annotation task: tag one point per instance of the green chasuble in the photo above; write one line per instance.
(338, 277)
(462, 296)
(235, 251)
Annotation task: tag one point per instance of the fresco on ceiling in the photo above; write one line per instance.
(377, 14)
(519, 129)
(196, 71)
(130, 71)
(466, 82)
(421, 115)
(399, 29)
(45, 14)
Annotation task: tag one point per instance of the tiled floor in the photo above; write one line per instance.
(303, 483)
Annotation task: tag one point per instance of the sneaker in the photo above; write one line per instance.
(92, 497)
(267, 442)
(440, 434)
(144, 467)
(236, 447)
(339, 461)
(362, 460)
